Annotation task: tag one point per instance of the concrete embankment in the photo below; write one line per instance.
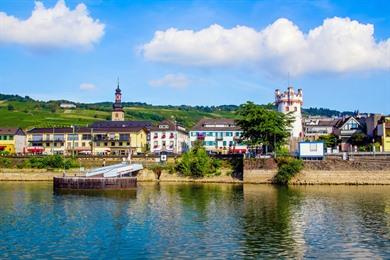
(33, 174)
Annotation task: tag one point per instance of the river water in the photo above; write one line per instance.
(195, 220)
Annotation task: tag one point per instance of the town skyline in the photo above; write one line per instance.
(83, 67)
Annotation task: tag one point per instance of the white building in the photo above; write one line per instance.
(314, 127)
(169, 137)
(218, 135)
(291, 102)
(67, 106)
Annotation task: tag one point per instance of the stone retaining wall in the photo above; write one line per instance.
(322, 177)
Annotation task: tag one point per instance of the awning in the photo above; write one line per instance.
(2, 147)
(35, 149)
(237, 150)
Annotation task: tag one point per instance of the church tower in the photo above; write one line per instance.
(291, 102)
(117, 110)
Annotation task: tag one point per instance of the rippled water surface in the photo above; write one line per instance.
(200, 221)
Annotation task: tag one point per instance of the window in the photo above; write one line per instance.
(224, 143)
(313, 147)
(287, 109)
(86, 137)
(163, 143)
(210, 134)
(124, 137)
(83, 144)
(37, 137)
(59, 137)
(112, 143)
(73, 137)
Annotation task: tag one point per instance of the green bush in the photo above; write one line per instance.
(282, 152)
(197, 163)
(3, 153)
(53, 162)
(5, 162)
(288, 167)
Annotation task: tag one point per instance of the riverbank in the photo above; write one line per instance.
(306, 177)
(34, 174)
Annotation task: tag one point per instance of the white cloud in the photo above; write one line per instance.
(57, 27)
(87, 86)
(171, 80)
(338, 45)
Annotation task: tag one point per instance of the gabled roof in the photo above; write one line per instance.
(121, 124)
(87, 130)
(220, 124)
(167, 125)
(11, 131)
(341, 122)
(330, 123)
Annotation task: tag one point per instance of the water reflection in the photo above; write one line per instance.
(171, 220)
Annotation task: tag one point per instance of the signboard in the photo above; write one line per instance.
(311, 150)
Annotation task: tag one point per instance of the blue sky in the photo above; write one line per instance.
(207, 52)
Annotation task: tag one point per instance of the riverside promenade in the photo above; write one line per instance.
(256, 171)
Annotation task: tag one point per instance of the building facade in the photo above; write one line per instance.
(291, 102)
(218, 135)
(316, 127)
(168, 137)
(345, 128)
(12, 140)
(383, 131)
(87, 140)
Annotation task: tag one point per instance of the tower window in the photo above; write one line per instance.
(287, 109)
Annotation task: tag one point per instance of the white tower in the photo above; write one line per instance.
(289, 101)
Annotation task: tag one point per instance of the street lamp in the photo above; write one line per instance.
(73, 127)
(175, 144)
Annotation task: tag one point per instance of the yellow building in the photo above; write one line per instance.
(384, 133)
(87, 140)
(12, 140)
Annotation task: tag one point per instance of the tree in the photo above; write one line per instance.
(330, 140)
(10, 107)
(197, 163)
(359, 139)
(262, 126)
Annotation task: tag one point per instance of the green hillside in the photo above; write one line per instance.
(17, 111)
(31, 113)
